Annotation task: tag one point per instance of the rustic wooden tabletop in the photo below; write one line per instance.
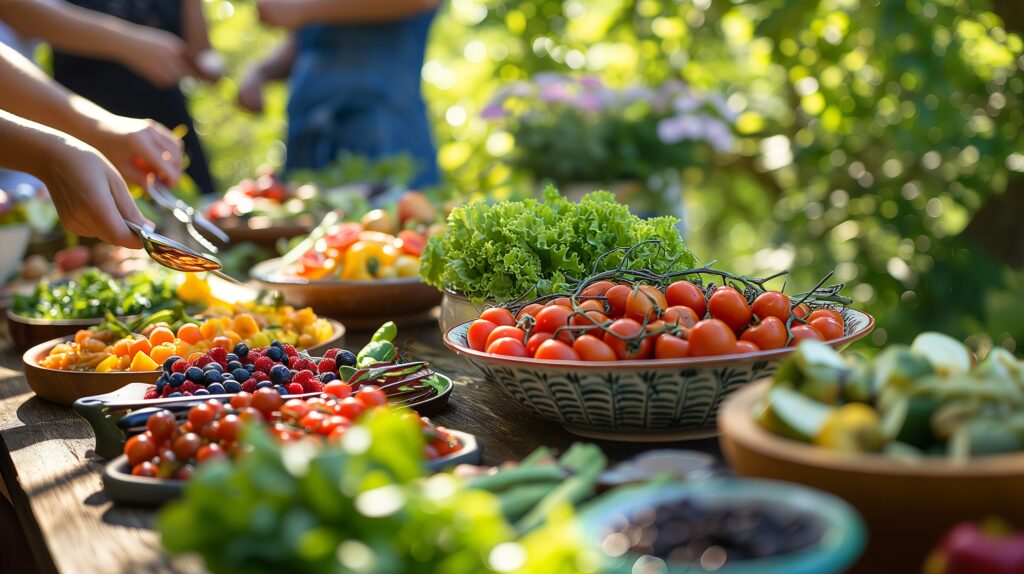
(53, 476)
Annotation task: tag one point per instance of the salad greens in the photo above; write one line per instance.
(364, 505)
(94, 294)
(504, 250)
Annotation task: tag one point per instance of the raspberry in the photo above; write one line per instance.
(188, 387)
(249, 386)
(327, 366)
(316, 386)
(167, 391)
(179, 366)
(219, 354)
(290, 350)
(294, 389)
(332, 353)
(306, 365)
(292, 361)
(263, 364)
(202, 361)
(151, 393)
(260, 376)
(305, 379)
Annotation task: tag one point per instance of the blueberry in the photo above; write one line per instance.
(232, 365)
(232, 386)
(214, 367)
(213, 377)
(241, 350)
(328, 377)
(240, 374)
(251, 368)
(231, 357)
(174, 395)
(280, 375)
(345, 358)
(276, 354)
(216, 388)
(280, 389)
(176, 380)
(264, 384)
(201, 392)
(169, 363)
(160, 386)
(194, 374)
(277, 344)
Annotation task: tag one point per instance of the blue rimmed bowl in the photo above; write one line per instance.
(643, 401)
(842, 531)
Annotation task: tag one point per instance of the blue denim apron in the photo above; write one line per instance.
(356, 88)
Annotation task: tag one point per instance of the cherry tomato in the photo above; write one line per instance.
(552, 318)
(668, 346)
(294, 409)
(828, 327)
(591, 305)
(351, 408)
(597, 288)
(681, 315)
(645, 302)
(266, 401)
(201, 415)
(337, 434)
(711, 337)
(687, 294)
(186, 445)
(590, 348)
(658, 326)
(509, 347)
(624, 337)
(535, 341)
(588, 320)
(311, 421)
(371, 396)
(227, 431)
(140, 448)
(332, 422)
(770, 333)
(145, 468)
(211, 451)
(161, 425)
(340, 389)
(250, 415)
(503, 332)
(728, 305)
(344, 237)
(478, 332)
(241, 400)
(826, 313)
(801, 311)
(555, 350)
(801, 332)
(185, 472)
(617, 297)
(412, 242)
(532, 309)
(772, 304)
(743, 347)
(561, 302)
(498, 316)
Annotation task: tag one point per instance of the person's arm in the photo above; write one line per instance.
(91, 198)
(207, 63)
(31, 94)
(276, 66)
(294, 14)
(154, 54)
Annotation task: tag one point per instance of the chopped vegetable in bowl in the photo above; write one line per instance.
(94, 293)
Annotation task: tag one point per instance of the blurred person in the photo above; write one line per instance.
(127, 56)
(354, 80)
(83, 153)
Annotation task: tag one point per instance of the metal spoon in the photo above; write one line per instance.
(174, 255)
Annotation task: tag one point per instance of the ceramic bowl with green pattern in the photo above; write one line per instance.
(648, 400)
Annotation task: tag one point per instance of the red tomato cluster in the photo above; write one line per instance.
(169, 448)
(618, 321)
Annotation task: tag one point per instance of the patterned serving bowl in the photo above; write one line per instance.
(649, 400)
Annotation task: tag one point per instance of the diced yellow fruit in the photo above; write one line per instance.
(853, 427)
(142, 362)
(107, 365)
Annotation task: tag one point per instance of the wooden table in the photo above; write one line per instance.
(53, 476)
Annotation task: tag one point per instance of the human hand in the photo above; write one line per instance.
(208, 65)
(91, 198)
(158, 56)
(288, 14)
(123, 139)
(250, 93)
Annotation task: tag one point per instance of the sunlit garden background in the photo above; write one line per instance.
(879, 140)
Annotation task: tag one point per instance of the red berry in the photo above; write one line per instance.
(292, 361)
(219, 354)
(188, 387)
(202, 361)
(332, 353)
(327, 366)
(179, 366)
(151, 393)
(305, 379)
(295, 389)
(316, 386)
(264, 364)
(260, 376)
(249, 386)
(290, 350)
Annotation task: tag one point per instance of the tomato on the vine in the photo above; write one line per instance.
(743, 347)
(186, 445)
(624, 337)
(591, 348)
(801, 332)
(266, 401)
(505, 331)
(351, 408)
(645, 302)
(801, 311)
(668, 346)
(499, 316)
(616, 297)
(371, 396)
(140, 448)
(535, 341)
(552, 318)
(555, 350)
(508, 346)
(161, 425)
(828, 327)
(681, 315)
(729, 306)
(597, 288)
(772, 304)
(200, 416)
(770, 333)
(711, 337)
(478, 332)
(341, 389)
(532, 309)
(826, 313)
(687, 294)
(560, 302)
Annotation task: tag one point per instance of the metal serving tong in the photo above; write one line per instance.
(174, 255)
(185, 213)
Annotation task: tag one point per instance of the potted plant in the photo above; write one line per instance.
(582, 135)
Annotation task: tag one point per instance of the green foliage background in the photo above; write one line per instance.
(871, 133)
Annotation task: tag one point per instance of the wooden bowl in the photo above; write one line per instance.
(907, 505)
(362, 305)
(65, 387)
(264, 231)
(27, 332)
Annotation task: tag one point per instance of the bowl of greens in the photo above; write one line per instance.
(499, 252)
(61, 308)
